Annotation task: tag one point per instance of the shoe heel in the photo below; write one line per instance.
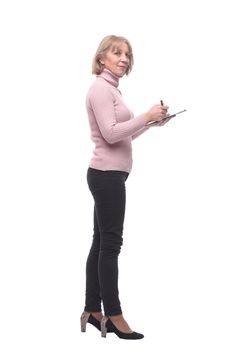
(83, 321)
(103, 327)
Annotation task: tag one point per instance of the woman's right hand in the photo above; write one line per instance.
(156, 113)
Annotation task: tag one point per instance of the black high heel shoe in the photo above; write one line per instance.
(108, 326)
(87, 317)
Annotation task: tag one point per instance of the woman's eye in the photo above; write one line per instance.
(118, 53)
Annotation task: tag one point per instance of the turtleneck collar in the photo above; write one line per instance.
(110, 77)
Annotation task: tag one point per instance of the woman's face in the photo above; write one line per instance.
(117, 59)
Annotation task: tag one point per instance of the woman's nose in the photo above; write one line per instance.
(124, 58)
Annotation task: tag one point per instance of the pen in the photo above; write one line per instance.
(161, 102)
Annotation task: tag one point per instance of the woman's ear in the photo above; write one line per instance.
(101, 59)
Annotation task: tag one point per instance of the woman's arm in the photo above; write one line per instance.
(101, 102)
(140, 132)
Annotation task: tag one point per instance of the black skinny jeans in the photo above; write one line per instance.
(108, 191)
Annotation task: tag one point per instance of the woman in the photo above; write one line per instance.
(113, 127)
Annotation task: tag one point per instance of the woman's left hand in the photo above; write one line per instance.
(162, 122)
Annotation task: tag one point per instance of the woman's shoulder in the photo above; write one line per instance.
(100, 82)
(99, 86)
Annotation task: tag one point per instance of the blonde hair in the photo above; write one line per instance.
(107, 43)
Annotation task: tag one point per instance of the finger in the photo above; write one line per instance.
(162, 114)
(164, 121)
(161, 123)
(167, 120)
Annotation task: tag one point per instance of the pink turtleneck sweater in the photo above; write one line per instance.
(112, 124)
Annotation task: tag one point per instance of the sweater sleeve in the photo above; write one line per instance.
(140, 132)
(101, 101)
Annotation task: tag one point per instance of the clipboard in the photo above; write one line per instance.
(170, 116)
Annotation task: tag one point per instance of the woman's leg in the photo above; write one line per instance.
(110, 213)
(93, 298)
(108, 190)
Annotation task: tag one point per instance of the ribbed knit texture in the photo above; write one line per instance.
(112, 124)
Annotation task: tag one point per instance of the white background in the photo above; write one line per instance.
(176, 262)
